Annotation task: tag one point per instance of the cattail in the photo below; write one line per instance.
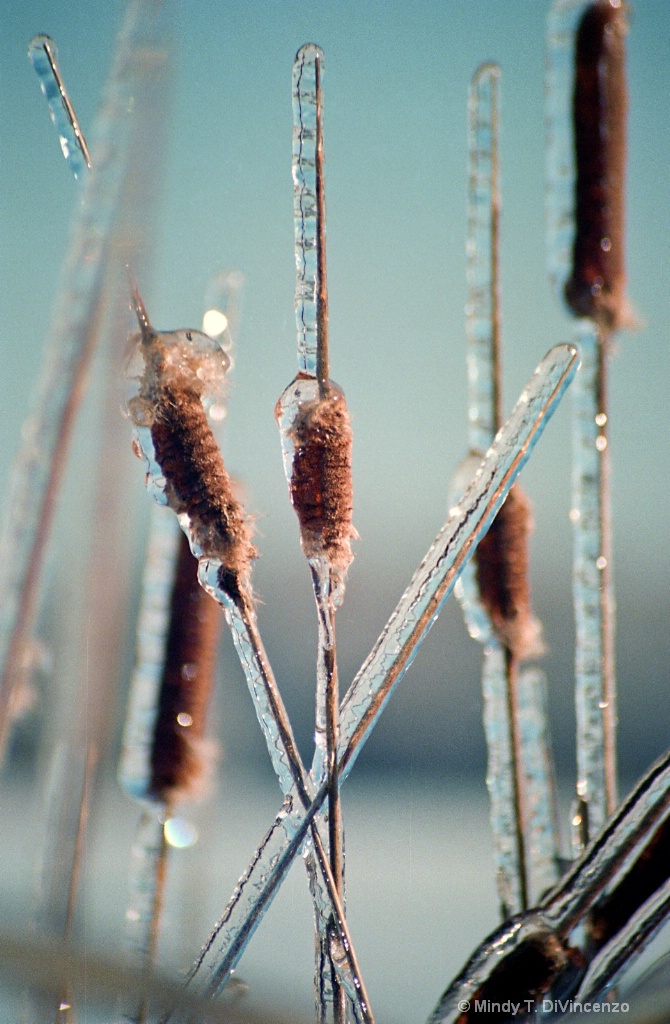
(180, 369)
(180, 757)
(502, 577)
(596, 287)
(320, 482)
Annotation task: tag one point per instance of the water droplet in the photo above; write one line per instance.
(601, 419)
(605, 244)
(189, 671)
(601, 562)
(601, 442)
(184, 719)
(180, 833)
(214, 322)
(575, 515)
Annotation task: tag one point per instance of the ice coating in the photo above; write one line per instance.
(307, 214)
(560, 165)
(499, 779)
(390, 657)
(483, 317)
(595, 693)
(542, 814)
(537, 940)
(628, 945)
(44, 58)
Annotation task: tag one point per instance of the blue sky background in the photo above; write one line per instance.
(396, 86)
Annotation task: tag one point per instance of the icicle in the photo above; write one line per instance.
(391, 656)
(44, 58)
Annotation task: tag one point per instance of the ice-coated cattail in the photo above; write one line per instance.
(179, 370)
(320, 474)
(597, 283)
(503, 579)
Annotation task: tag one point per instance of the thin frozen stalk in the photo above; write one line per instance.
(560, 168)
(186, 472)
(44, 58)
(595, 693)
(483, 321)
(41, 459)
(483, 328)
(494, 591)
(542, 828)
(392, 655)
(67, 803)
(586, 188)
(316, 444)
(308, 206)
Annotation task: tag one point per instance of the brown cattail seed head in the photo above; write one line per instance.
(596, 287)
(320, 484)
(180, 756)
(502, 576)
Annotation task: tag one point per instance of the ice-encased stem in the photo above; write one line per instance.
(152, 629)
(560, 169)
(311, 304)
(629, 944)
(324, 769)
(508, 781)
(595, 694)
(41, 459)
(44, 58)
(391, 656)
(147, 887)
(483, 326)
(514, 946)
(286, 762)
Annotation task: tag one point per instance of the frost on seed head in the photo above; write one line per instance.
(160, 359)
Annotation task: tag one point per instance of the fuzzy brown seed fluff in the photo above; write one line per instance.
(596, 287)
(180, 758)
(502, 576)
(321, 487)
(197, 482)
